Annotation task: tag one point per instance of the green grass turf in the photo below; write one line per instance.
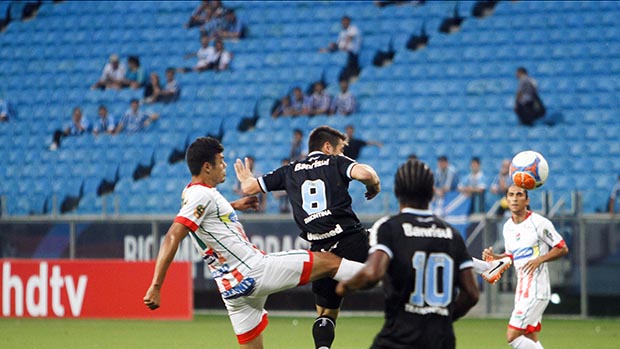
(214, 331)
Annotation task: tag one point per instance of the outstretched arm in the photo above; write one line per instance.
(246, 203)
(468, 293)
(168, 249)
(368, 176)
(249, 184)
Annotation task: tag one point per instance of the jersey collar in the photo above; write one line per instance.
(417, 211)
(316, 152)
(200, 184)
(529, 213)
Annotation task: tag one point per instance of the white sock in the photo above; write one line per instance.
(480, 266)
(539, 345)
(522, 342)
(347, 269)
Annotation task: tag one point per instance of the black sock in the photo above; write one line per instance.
(323, 332)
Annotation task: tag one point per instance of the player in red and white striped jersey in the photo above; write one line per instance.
(531, 241)
(244, 274)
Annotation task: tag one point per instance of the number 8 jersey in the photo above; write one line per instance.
(426, 255)
(318, 189)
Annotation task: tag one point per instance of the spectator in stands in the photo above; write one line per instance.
(106, 123)
(170, 93)
(284, 205)
(300, 102)
(79, 125)
(615, 193)
(354, 145)
(350, 41)
(284, 108)
(215, 19)
(200, 16)
(203, 54)
(502, 181)
(231, 27)
(134, 119)
(500, 185)
(5, 110)
(446, 177)
(220, 58)
(297, 152)
(344, 103)
(474, 185)
(152, 85)
(112, 76)
(134, 77)
(320, 100)
(262, 197)
(528, 105)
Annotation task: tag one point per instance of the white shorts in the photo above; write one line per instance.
(527, 314)
(277, 272)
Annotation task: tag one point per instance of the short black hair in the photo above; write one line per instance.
(522, 70)
(134, 59)
(323, 134)
(442, 158)
(475, 159)
(413, 184)
(298, 130)
(170, 69)
(202, 150)
(134, 100)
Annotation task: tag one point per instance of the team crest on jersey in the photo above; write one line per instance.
(199, 211)
(548, 234)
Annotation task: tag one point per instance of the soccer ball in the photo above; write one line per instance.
(529, 170)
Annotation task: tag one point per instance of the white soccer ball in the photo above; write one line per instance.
(529, 170)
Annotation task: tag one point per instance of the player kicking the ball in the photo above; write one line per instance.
(245, 276)
(530, 241)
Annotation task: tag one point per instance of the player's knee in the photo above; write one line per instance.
(511, 335)
(325, 264)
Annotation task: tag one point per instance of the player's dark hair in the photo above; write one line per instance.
(524, 190)
(413, 184)
(323, 134)
(134, 59)
(202, 150)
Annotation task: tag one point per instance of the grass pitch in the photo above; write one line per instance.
(214, 331)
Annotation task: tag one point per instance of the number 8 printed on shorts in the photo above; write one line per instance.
(313, 196)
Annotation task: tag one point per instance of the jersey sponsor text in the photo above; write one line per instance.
(314, 216)
(423, 232)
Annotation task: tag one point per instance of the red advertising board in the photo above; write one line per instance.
(91, 289)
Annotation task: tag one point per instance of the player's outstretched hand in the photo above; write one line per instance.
(151, 299)
(243, 170)
(372, 191)
(487, 254)
(246, 203)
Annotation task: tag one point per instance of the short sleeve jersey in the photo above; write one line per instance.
(426, 255)
(533, 237)
(219, 237)
(318, 189)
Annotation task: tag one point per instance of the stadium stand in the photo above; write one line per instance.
(453, 97)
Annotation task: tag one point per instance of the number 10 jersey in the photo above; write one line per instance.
(426, 255)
